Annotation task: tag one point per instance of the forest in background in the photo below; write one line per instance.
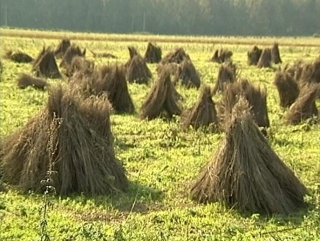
(176, 17)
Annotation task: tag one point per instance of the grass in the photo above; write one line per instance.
(160, 159)
(232, 40)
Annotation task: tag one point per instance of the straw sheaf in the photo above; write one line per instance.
(162, 99)
(246, 174)
(71, 137)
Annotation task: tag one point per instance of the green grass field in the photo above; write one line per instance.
(161, 160)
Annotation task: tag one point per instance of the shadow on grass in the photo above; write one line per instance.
(294, 219)
(135, 199)
(302, 220)
(138, 199)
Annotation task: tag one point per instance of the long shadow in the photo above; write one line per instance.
(281, 222)
(116, 206)
(295, 218)
(138, 198)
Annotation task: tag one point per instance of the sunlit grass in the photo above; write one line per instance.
(160, 159)
(232, 40)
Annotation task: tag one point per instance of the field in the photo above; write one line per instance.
(161, 160)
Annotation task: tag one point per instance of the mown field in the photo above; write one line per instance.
(161, 160)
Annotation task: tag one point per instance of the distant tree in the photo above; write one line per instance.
(205, 17)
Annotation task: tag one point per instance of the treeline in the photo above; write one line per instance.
(190, 17)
